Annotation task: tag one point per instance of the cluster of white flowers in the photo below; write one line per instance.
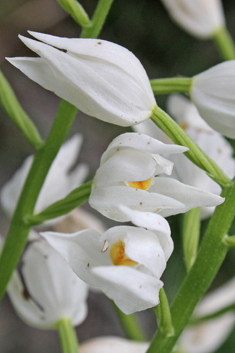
(107, 81)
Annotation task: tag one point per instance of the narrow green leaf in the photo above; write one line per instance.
(74, 199)
(13, 108)
(191, 234)
(163, 313)
(75, 9)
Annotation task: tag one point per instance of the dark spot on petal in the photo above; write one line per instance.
(26, 294)
(99, 42)
(140, 203)
(88, 265)
(140, 287)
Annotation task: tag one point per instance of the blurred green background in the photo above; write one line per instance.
(165, 50)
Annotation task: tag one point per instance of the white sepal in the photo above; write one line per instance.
(198, 17)
(100, 78)
(50, 290)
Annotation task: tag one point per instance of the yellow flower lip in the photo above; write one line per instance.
(143, 184)
(118, 256)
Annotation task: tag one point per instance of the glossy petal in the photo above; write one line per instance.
(100, 78)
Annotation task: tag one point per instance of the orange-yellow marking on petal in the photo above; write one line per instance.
(118, 256)
(143, 184)
(183, 125)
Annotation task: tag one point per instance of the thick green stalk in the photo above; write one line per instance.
(191, 234)
(98, 19)
(195, 153)
(13, 108)
(209, 259)
(68, 337)
(163, 313)
(224, 43)
(130, 325)
(18, 232)
(171, 85)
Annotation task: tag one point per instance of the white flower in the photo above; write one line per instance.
(112, 344)
(209, 335)
(100, 78)
(50, 290)
(128, 175)
(200, 18)
(211, 142)
(125, 262)
(213, 93)
(58, 183)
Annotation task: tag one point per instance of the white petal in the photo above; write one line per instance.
(148, 127)
(53, 285)
(104, 91)
(82, 250)
(24, 306)
(190, 196)
(112, 344)
(107, 53)
(140, 142)
(213, 92)
(11, 190)
(107, 199)
(144, 247)
(130, 289)
(155, 223)
(141, 246)
(126, 165)
(184, 111)
(198, 17)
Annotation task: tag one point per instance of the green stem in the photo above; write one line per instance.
(131, 325)
(171, 85)
(163, 313)
(18, 232)
(195, 153)
(68, 337)
(98, 19)
(13, 108)
(224, 43)
(210, 257)
(191, 234)
(201, 319)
